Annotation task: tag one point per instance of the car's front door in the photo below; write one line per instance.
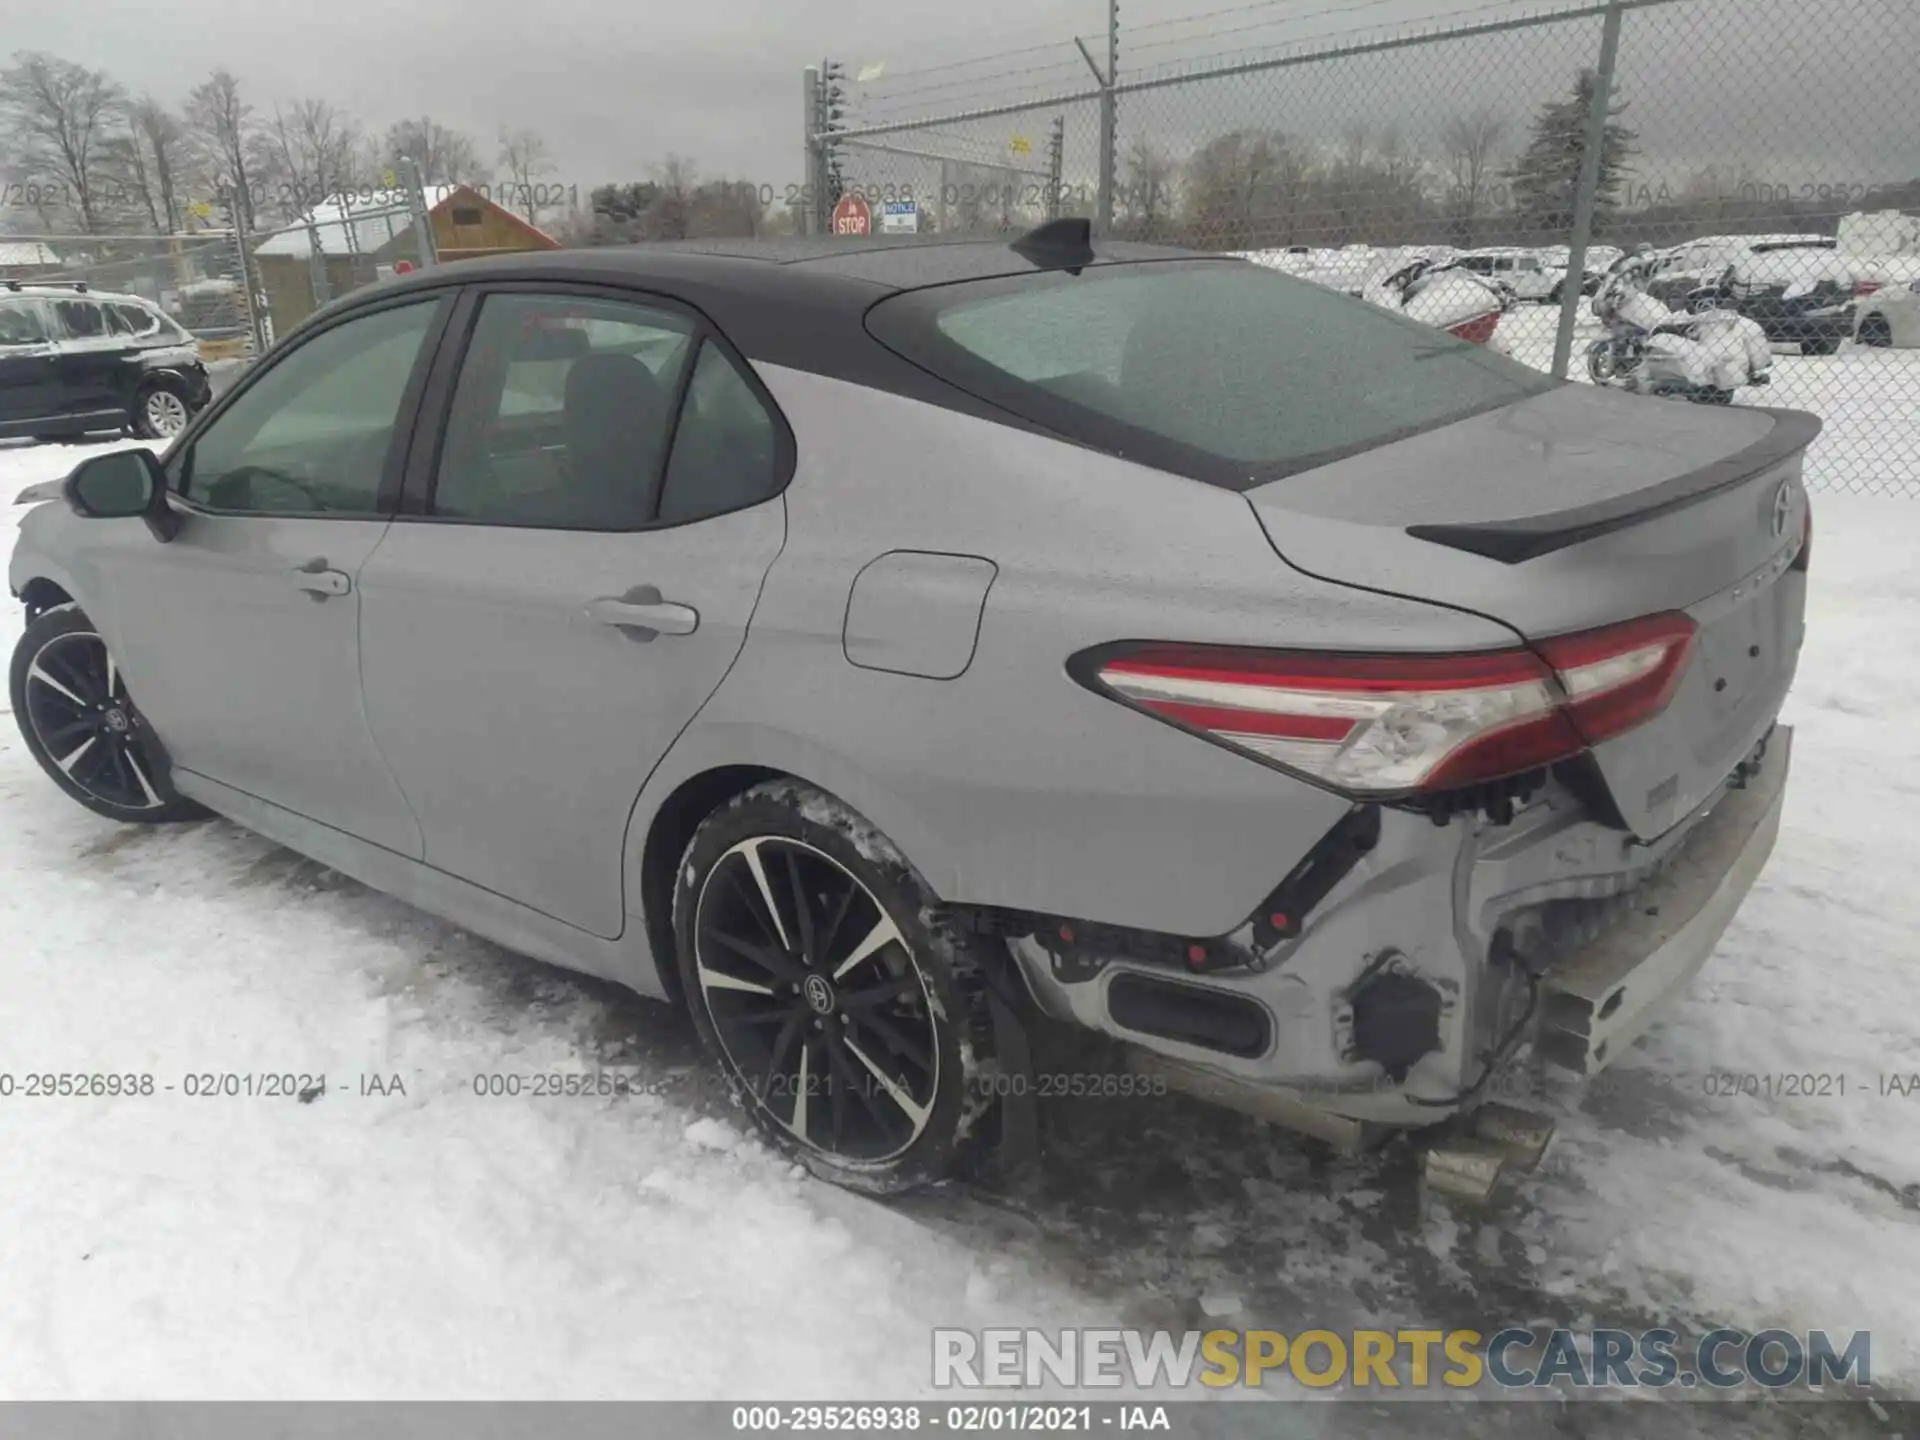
(591, 540)
(240, 637)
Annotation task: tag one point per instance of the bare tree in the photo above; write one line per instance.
(671, 215)
(221, 122)
(60, 120)
(161, 138)
(726, 207)
(1148, 197)
(315, 148)
(525, 159)
(1244, 190)
(445, 157)
(1472, 144)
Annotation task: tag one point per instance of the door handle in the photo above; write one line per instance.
(641, 614)
(318, 581)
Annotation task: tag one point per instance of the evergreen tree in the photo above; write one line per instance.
(1546, 177)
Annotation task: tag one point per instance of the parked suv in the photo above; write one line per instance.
(1520, 271)
(74, 360)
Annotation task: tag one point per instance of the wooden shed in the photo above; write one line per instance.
(362, 238)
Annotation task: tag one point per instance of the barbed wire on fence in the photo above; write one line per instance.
(1763, 149)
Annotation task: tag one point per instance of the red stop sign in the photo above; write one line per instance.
(852, 216)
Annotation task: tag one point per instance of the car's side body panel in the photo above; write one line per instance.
(1012, 785)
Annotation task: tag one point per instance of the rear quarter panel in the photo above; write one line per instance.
(1011, 784)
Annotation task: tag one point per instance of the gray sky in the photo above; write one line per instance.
(1819, 90)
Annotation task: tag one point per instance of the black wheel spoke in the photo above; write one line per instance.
(863, 1062)
(57, 740)
(767, 958)
(854, 1076)
(896, 1041)
(831, 931)
(802, 911)
(783, 1047)
(83, 680)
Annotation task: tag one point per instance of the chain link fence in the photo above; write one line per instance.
(200, 279)
(1763, 151)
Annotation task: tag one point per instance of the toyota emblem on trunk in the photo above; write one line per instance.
(1782, 508)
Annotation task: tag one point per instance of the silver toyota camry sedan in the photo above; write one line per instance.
(905, 655)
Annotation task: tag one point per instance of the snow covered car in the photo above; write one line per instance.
(1521, 271)
(74, 360)
(1889, 309)
(907, 654)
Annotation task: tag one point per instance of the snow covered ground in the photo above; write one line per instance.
(441, 1243)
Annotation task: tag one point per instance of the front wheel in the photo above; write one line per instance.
(848, 1022)
(160, 411)
(71, 703)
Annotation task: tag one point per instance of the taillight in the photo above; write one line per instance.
(1803, 561)
(1407, 724)
(1864, 288)
(1477, 331)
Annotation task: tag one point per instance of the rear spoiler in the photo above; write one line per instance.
(1513, 541)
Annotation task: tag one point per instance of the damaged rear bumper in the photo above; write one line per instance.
(1554, 940)
(1597, 1001)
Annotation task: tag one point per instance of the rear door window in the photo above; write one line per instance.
(1228, 372)
(81, 319)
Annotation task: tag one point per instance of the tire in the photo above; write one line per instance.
(74, 713)
(853, 1032)
(160, 410)
(1876, 331)
(1819, 347)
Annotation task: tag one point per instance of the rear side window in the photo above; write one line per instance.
(726, 450)
(1228, 372)
(81, 319)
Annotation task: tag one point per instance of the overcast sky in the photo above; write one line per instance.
(1816, 89)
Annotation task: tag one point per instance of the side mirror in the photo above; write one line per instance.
(120, 486)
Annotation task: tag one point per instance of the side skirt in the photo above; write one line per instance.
(505, 922)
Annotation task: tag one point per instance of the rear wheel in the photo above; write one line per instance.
(71, 703)
(1876, 331)
(847, 1021)
(160, 411)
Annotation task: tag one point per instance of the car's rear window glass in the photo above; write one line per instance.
(1225, 371)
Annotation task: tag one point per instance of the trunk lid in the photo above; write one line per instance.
(1582, 508)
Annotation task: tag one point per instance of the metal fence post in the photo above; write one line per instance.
(1109, 118)
(256, 333)
(316, 265)
(1056, 155)
(811, 172)
(422, 214)
(1585, 200)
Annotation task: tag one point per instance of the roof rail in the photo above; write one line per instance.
(79, 286)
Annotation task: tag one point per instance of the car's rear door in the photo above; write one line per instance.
(241, 636)
(28, 366)
(91, 360)
(582, 545)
